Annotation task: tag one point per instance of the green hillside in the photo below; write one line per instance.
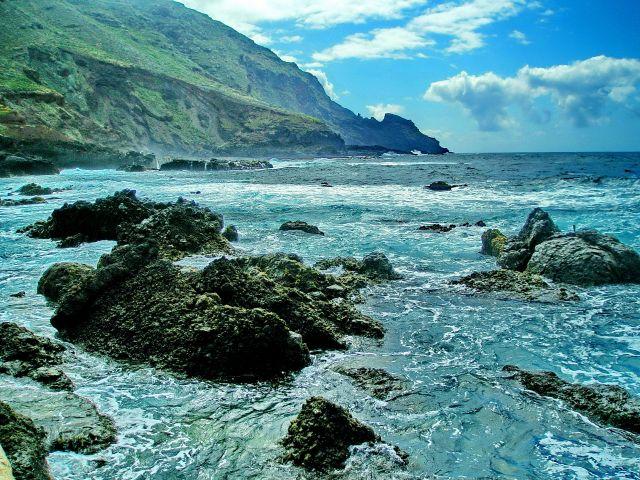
(153, 74)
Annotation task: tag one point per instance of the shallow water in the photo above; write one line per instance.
(460, 417)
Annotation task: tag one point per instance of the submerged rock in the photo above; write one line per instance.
(301, 226)
(378, 382)
(586, 258)
(607, 404)
(436, 227)
(374, 266)
(15, 166)
(9, 202)
(516, 285)
(24, 354)
(231, 233)
(518, 250)
(493, 242)
(320, 436)
(24, 445)
(178, 229)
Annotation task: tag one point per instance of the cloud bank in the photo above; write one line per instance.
(324, 81)
(583, 91)
(461, 22)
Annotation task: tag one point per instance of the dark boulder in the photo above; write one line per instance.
(439, 186)
(10, 202)
(61, 277)
(518, 250)
(374, 266)
(585, 258)
(181, 164)
(133, 168)
(493, 242)
(607, 404)
(33, 189)
(24, 445)
(301, 226)
(436, 227)
(24, 354)
(320, 436)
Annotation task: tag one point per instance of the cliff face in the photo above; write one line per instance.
(153, 74)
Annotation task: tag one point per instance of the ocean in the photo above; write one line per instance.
(460, 417)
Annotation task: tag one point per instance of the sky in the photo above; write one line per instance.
(479, 75)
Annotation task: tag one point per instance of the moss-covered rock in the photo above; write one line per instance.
(607, 404)
(320, 436)
(231, 233)
(33, 189)
(10, 202)
(517, 285)
(374, 266)
(24, 444)
(377, 381)
(493, 242)
(24, 354)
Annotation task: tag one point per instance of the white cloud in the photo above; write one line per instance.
(246, 15)
(324, 81)
(519, 37)
(378, 110)
(584, 91)
(290, 39)
(460, 21)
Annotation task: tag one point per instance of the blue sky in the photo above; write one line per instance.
(480, 75)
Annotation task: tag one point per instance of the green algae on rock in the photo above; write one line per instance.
(493, 242)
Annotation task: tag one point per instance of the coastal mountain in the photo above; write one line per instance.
(155, 75)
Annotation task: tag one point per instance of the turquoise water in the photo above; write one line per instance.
(460, 418)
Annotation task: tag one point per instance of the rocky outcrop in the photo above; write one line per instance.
(436, 227)
(176, 229)
(377, 381)
(301, 226)
(24, 354)
(62, 277)
(374, 266)
(512, 284)
(16, 166)
(33, 189)
(578, 258)
(320, 436)
(439, 186)
(518, 250)
(585, 258)
(24, 445)
(606, 404)
(493, 242)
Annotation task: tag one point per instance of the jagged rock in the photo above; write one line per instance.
(70, 422)
(301, 226)
(20, 294)
(9, 202)
(24, 444)
(375, 266)
(518, 250)
(33, 189)
(607, 404)
(320, 436)
(231, 233)
(95, 221)
(378, 382)
(516, 285)
(585, 258)
(24, 354)
(15, 166)
(181, 164)
(493, 242)
(61, 277)
(178, 230)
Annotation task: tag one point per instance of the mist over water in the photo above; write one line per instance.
(460, 417)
